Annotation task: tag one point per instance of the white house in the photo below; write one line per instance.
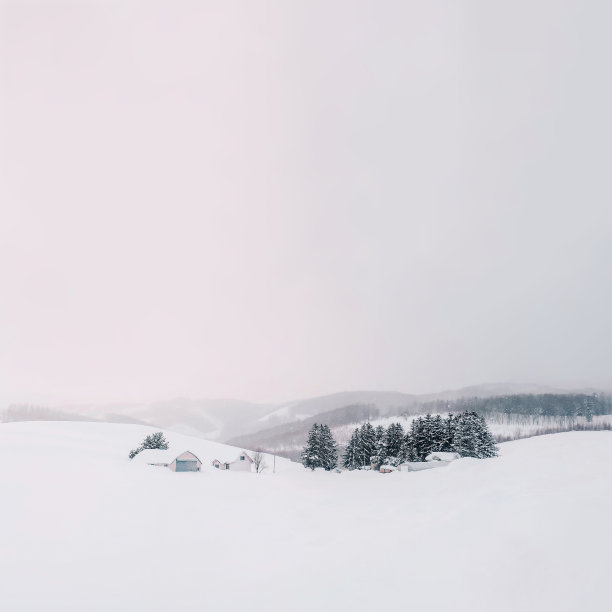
(443, 456)
(242, 463)
(184, 462)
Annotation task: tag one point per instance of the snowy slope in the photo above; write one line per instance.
(82, 528)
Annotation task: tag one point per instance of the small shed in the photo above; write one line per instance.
(387, 469)
(443, 456)
(184, 462)
(417, 466)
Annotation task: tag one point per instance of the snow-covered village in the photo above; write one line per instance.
(305, 306)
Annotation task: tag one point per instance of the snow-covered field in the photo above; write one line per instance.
(81, 528)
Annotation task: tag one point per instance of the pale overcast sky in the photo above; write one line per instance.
(269, 200)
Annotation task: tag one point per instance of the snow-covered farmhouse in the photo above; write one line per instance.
(242, 463)
(185, 462)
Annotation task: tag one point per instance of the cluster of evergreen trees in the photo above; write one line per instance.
(321, 450)
(466, 433)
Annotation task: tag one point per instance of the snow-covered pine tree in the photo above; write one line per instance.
(367, 444)
(394, 440)
(449, 431)
(408, 451)
(155, 440)
(427, 436)
(438, 434)
(419, 437)
(351, 455)
(380, 451)
(472, 436)
(464, 441)
(329, 449)
(311, 455)
(152, 441)
(486, 443)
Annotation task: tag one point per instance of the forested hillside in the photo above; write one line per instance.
(285, 439)
(511, 417)
(569, 405)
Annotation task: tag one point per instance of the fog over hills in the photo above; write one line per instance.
(238, 421)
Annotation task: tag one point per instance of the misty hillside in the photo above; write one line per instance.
(285, 439)
(515, 415)
(274, 426)
(210, 419)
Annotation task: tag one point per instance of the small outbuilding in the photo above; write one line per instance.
(387, 469)
(184, 462)
(242, 463)
(443, 456)
(417, 466)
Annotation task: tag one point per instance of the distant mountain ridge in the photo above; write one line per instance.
(230, 420)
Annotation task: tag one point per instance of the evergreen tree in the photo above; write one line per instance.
(449, 432)
(380, 451)
(408, 451)
(427, 437)
(311, 455)
(351, 455)
(155, 440)
(329, 449)
(486, 442)
(464, 441)
(320, 449)
(420, 438)
(367, 445)
(438, 434)
(152, 441)
(472, 436)
(394, 440)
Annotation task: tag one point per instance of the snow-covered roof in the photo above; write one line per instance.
(157, 455)
(442, 456)
(390, 468)
(230, 456)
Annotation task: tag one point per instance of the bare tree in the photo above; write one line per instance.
(259, 461)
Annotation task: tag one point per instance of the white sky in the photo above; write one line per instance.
(270, 200)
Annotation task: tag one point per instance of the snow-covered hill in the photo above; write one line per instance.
(82, 528)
